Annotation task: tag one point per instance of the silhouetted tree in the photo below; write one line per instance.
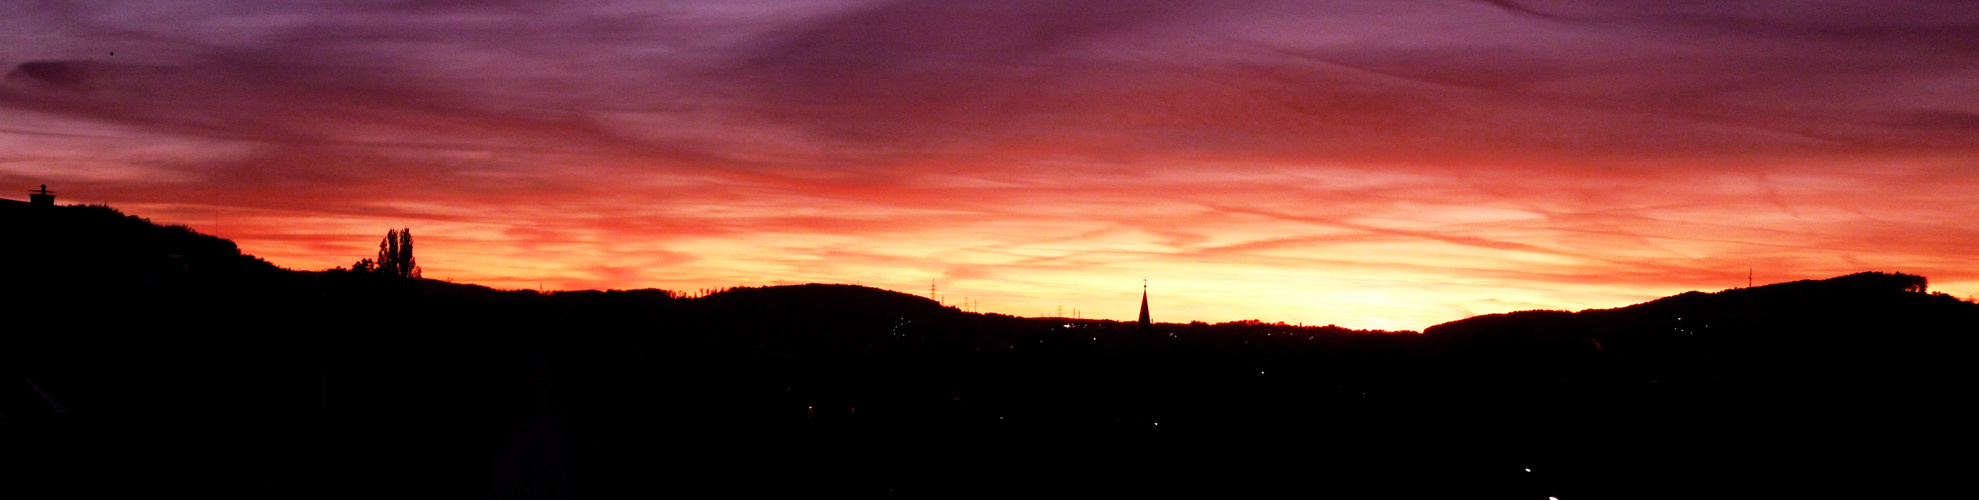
(1916, 284)
(394, 256)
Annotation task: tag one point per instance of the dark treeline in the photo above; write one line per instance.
(147, 358)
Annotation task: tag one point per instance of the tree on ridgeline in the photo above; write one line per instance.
(394, 256)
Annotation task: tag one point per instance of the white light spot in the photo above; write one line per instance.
(1528, 470)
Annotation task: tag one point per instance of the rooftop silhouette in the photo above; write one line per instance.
(42, 197)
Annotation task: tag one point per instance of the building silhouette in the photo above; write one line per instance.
(43, 197)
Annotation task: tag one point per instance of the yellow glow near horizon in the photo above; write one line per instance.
(1394, 262)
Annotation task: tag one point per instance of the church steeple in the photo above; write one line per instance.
(1145, 323)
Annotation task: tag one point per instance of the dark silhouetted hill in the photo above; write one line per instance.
(100, 250)
(1788, 384)
(1852, 315)
(172, 362)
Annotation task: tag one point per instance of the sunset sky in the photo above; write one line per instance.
(1373, 164)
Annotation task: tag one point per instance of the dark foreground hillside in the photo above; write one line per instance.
(142, 360)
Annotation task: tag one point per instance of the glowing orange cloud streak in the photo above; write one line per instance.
(1376, 258)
